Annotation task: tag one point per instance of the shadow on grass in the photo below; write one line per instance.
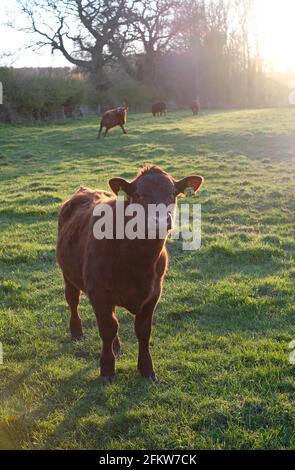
(108, 423)
(94, 398)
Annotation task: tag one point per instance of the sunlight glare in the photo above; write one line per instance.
(275, 27)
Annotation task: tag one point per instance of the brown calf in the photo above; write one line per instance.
(159, 108)
(117, 272)
(195, 107)
(113, 117)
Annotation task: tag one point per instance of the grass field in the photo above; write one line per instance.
(222, 329)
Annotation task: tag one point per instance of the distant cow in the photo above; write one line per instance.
(159, 108)
(113, 117)
(195, 107)
(118, 271)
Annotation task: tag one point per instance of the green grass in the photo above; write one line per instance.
(222, 329)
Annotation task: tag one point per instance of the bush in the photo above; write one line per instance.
(40, 96)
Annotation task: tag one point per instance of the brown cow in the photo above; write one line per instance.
(159, 108)
(195, 107)
(119, 271)
(113, 117)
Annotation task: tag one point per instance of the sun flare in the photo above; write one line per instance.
(275, 28)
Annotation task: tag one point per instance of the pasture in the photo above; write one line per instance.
(221, 331)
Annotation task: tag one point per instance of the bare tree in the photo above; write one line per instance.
(192, 26)
(178, 48)
(153, 27)
(94, 33)
(89, 33)
(245, 10)
(8, 58)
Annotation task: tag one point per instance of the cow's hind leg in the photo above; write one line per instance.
(99, 132)
(72, 295)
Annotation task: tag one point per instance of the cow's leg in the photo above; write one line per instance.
(108, 329)
(143, 327)
(100, 131)
(72, 295)
(106, 131)
(123, 128)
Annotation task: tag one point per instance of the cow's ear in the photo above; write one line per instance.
(118, 184)
(194, 182)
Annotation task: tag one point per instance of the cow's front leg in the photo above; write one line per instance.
(123, 129)
(143, 327)
(108, 330)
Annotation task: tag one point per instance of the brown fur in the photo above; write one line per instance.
(195, 107)
(159, 108)
(111, 118)
(126, 273)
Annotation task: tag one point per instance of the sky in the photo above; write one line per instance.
(274, 23)
(16, 41)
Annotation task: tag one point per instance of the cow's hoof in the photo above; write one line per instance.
(117, 351)
(77, 338)
(151, 377)
(107, 379)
